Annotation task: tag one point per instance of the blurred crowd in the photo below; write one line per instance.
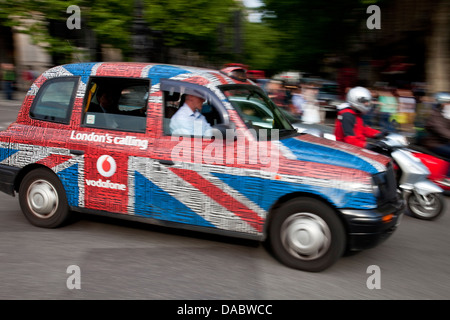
(392, 109)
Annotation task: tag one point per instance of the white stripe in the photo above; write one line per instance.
(94, 68)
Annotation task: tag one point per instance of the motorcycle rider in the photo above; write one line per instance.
(349, 125)
(437, 126)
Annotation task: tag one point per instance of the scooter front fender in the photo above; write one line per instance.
(423, 188)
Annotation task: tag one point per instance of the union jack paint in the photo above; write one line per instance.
(133, 173)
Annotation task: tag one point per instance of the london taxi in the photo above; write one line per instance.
(255, 177)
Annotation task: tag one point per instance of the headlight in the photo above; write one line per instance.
(403, 140)
(396, 140)
(377, 180)
(375, 190)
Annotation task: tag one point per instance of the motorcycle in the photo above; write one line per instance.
(437, 165)
(423, 197)
(416, 171)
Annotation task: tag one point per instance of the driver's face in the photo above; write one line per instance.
(195, 102)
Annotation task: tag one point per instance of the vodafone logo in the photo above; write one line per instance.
(106, 166)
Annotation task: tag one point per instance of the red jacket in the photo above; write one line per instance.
(350, 128)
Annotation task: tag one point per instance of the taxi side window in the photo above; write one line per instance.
(116, 104)
(54, 100)
(174, 100)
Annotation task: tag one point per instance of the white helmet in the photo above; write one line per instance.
(358, 97)
(442, 97)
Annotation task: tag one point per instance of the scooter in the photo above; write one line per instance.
(423, 197)
(437, 165)
(414, 170)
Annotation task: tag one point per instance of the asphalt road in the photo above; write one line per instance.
(113, 259)
(123, 260)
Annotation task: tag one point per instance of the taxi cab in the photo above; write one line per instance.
(97, 138)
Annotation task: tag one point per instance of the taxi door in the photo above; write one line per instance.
(111, 133)
(177, 184)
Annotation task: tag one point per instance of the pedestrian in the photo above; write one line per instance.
(406, 109)
(310, 106)
(437, 138)
(388, 109)
(277, 93)
(297, 102)
(9, 78)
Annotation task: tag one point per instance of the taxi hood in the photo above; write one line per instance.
(314, 149)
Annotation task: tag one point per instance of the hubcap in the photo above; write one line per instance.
(426, 207)
(305, 236)
(42, 199)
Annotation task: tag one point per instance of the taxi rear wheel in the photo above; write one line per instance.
(306, 234)
(43, 199)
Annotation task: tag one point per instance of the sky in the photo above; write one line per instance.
(252, 3)
(253, 17)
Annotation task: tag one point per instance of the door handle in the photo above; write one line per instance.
(77, 152)
(166, 162)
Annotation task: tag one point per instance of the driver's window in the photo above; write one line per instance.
(188, 114)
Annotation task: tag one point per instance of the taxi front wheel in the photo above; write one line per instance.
(306, 234)
(43, 199)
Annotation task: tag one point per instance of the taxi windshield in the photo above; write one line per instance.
(257, 110)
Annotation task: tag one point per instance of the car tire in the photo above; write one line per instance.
(306, 234)
(43, 199)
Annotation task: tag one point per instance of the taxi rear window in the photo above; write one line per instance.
(54, 100)
(116, 104)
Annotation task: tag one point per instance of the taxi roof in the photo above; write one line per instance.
(152, 71)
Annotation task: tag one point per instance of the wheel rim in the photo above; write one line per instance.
(428, 208)
(42, 199)
(305, 236)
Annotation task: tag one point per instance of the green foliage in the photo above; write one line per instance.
(261, 46)
(31, 17)
(192, 24)
(309, 29)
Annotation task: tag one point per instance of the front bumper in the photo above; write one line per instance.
(368, 228)
(8, 176)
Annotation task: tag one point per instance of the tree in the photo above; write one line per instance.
(192, 24)
(45, 22)
(309, 29)
(261, 47)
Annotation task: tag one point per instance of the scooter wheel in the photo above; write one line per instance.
(426, 207)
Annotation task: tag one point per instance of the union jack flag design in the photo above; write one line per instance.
(130, 173)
